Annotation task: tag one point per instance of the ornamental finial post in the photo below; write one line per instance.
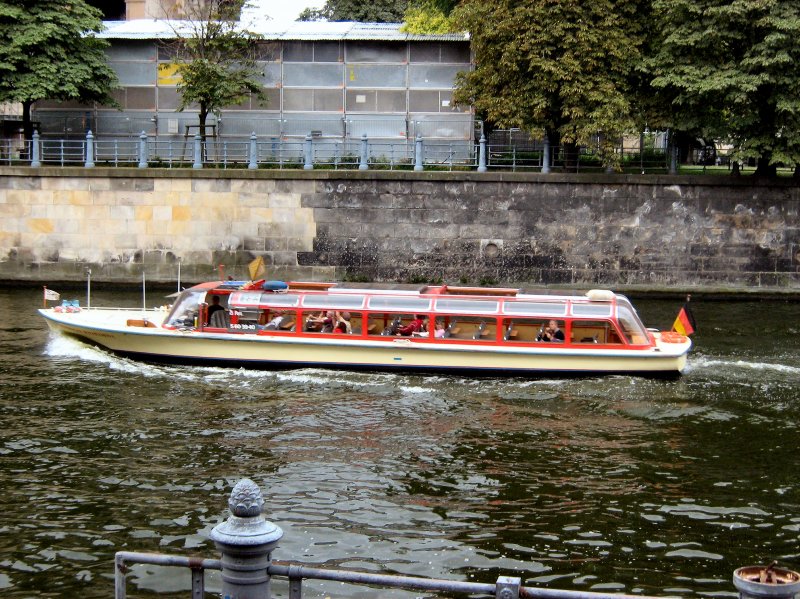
(246, 540)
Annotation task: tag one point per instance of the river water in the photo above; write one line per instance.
(608, 484)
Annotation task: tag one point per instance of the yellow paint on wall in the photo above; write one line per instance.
(41, 225)
(144, 213)
(181, 213)
(168, 74)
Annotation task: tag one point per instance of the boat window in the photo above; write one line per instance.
(594, 332)
(400, 325)
(467, 306)
(272, 320)
(404, 304)
(186, 308)
(258, 298)
(597, 310)
(533, 330)
(632, 327)
(344, 302)
(341, 322)
(473, 328)
(524, 308)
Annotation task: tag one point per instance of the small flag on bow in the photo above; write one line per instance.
(684, 323)
(50, 295)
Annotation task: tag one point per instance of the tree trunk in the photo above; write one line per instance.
(202, 121)
(27, 129)
(570, 150)
(764, 169)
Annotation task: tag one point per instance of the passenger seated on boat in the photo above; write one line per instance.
(219, 320)
(439, 329)
(418, 324)
(275, 323)
(323, 323)
(551, 332)
(342, 323)
(212, 309)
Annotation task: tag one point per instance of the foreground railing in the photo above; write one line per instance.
(314, 152)
(246, 541)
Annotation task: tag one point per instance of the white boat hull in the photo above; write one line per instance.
(108, 329)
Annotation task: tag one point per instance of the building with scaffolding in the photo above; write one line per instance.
(335, 81)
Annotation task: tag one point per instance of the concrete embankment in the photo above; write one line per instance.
(641, 232)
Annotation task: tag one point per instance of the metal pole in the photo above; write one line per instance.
(546, 155)
(198, 153)
(36, 160)
(246, 541)
(143, 150)
(144, 298)
(482, 155)
(418, 154)
(253, 164)
(88, 287)
(307, 151)
(89, 150)
(362, 165)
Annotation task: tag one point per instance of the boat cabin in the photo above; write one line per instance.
(443, 314)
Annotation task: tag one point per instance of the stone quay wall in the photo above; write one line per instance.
(532, 230)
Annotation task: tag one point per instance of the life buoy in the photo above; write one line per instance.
(673, 337)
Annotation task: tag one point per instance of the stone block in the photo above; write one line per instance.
(253, 187)
(211, 185)
(284, 258)
(131, 184)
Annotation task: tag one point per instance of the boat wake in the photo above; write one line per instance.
(703, 363)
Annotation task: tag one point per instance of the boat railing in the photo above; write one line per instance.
(246, 541)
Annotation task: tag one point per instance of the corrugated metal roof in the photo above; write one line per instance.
(149, 29)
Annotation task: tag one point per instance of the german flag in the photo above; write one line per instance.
(684, 323)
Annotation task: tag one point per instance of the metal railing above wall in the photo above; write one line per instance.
(317, 151)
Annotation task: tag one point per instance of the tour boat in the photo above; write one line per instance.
(435, 328)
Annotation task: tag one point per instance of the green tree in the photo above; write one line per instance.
(563, 69)
(729, 68)
(377, 11)
(428, 18)
(215, 59)
(49, 51)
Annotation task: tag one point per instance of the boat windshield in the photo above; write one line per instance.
(632, 327)
(186, 308)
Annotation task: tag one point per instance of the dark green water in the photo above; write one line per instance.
(613, 484)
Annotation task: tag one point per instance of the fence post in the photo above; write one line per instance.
(36, 159)
(143, 150)
(307, 151)
(89, 150)
(546, 156)
(198, 151)
(362, 165)
(418, 154)
(673, 160)
(482, 155)
(246, 541)
(253, 152)
(507, 587)
(766, 582)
